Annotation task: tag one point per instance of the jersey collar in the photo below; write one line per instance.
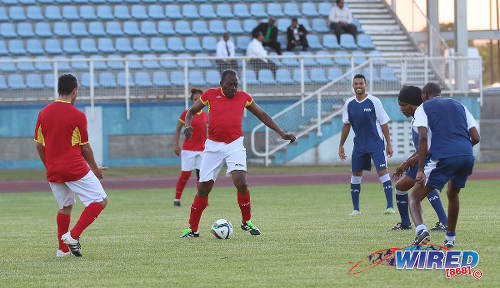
(222, 92)
(62, 101)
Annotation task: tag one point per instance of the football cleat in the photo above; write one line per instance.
(401, 226)
(188, 233)
(177, 203)
(449, 243)
(389, 211)
(440, 227)
(355, 212)
(422, 238)
(61, 253)
(248, 226)
(73, 244)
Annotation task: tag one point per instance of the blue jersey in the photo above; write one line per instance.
(448, 123)
(366, 117)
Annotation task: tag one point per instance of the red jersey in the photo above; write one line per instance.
(61, 128)
(199, 136)
(226, 114)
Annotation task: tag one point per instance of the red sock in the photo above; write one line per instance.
(88, 216)
(244, 202)
(181, 183)
(199, 204)
(62, 227)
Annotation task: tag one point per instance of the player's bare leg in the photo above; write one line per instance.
(63, 221)
(385, 179)
(240, 182)
(453, 208)
(415, 202)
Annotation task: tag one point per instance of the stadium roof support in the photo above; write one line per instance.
(461, 42)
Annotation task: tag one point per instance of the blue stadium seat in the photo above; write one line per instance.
(213, 77)
(99, 64)
(234, 26)
(25, 66)
(87, 12)
(150, 64)
(70, 13)
(258, 10)
(376, 53)
(63, 1)
(148, 28)
(217, 27)
(175, 44)
(358, 25)
(177, 78)
(3, 14)
(42, 29)
(149, 1)
(79, 65)
(79, 29)
(366, 73)
(167, 64)
(242, 42)
(292, 10)
(104, 12)
(249, 25)
(319, 25)
(16, 47)
(195, 77)
(343, 59)
(131, 28)
(70, 46)
(88, 45)
(334, 73)
(142, 79)
(85, 80)
(3, 84)
(274, 10)
(359, 59)
(8, 30)
(8, 66)
(313, 41)
(182, 27)
(122, 13)
(224, 11)
(266, 77)
(9, 2)
(304, 22)
(193, 44)
(133, 62)
(123, 45)
(52, 46)
(48, 80)
(190, 12)
(34, 47)
(365, 42)
(33, 13)
(309, 9)
(283, 24)
(165, 28)
(207, 11)
(173, 12)
(81, 1)
(106, 45)
(200, 27)
(132, 1)
(296, 76)
(160, 78)
(25, 30)
(3, 48)
(241, 11)
(107, 79)
(43, 66)
(158, 45)
(180, 62)
(330, 41)
(347, 42)
(115, 65)
(251, 77)
(16, 81)
(203, 63)
(141, 45)
(289, 61)
(324, 61)
(61, 29)
(388, 75)
(283, 76)
(324, 8)
(318, 75)
(139, 12)
(16, 13)
(114, 28)
(308, 61)
(53, 13)
(209, 43)
(96, 29)
(156, 12)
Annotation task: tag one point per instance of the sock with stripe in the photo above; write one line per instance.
(355, 190)
(420, 228)
(450, 236)
(402, 202)
(436, 203)
(387, 183)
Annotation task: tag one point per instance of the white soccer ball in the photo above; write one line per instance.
(222, 229)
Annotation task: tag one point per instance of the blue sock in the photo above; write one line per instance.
(355, 190)
(435, 200)
(387, 183)
(450, 236)
(402, 202)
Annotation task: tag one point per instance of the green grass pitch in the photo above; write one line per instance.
(307, 241)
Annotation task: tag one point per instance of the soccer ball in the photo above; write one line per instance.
(222, 229)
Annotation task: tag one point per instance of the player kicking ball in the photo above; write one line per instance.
(63, 146)
(446, 132)
(225, 144)
(410, 97)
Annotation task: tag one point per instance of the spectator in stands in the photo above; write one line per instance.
(340, 20)
(296, 36)
(225, 49)
(270, 32)
(258, 55)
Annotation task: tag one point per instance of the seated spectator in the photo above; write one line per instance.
(270, 32)
(340, 20)
(225, 49)
(257, 52)
(296, 36)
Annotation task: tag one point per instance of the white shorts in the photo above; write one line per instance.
(190, 160)
(88, 189)
(216, 153)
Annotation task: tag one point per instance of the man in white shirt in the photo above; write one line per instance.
(225, 50)
(258, 54)
(340, 20)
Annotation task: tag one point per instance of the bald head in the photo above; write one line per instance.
(229, 83)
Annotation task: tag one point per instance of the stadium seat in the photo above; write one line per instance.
(318, 75)
(213, 77)
(8, 66)
(319, 25)
(313, 41)
(177, 78)
(139, 12)
(195, 77)
(148, 28)
(3, 48)
(70, 13)
(193, 44)
(48, 80)
(180, 62)
(96, 29)
(131, 28)
(150, 64)
(241, 11)
(43, 66)
(342, 58)
(33, 13)
(122, 13)
(324, 61)
(3, 14)
(106, 45)
(175, 44)
(167, 64)
(107, 79)
(116, 64)
(8, 30)
(234, 26)
(207, 11)
(266, 77)
(16, 81)
(9, 2)
(251, 77)
(158, 45)
(79, 29)
(365, 42)
(292, 10)
(334, 73)
(61, 29)
(242, 42)
(87, 12)
(63, 1)
(249, 25)
(289, 61)
(216, 27)
(123, 45)
(25, 66)
(16, 47)
(203, 63)
(387, 75)
(63, 64)
(34, 47)
(297, 76)
(347, 41)
(209, 43)
(52, 46)
(309, 9)
(190, 12)
(283, 76)
(283, 24)
(81, 1)
(16, 13)
(305, 23)
(104, 12)
(99, 64)
(70, 46)
(88, 45)
(358, 25)
(132, 1)
(25, 30)
(85, 80)
(156, 12)
(376, 53)
(140, 45)
(114, 28)
(330, 41)
(165, 28)
(79, 65)
(366, 73)
(173, 12)
(274, 10)
(200, 27)
(359, 59)
(308, 61)
(258, 10)
(42, 29)
(53, 13)
(224, 11)
(182, 27)
(324, 8)
(160, 78)
(142, 79)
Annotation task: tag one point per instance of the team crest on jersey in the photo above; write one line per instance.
(367, 110)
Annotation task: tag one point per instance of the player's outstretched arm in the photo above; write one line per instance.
(387, 136)
(41, 152)
(177, 148)
(343, 137)
(88, 155)
(269, 122)
(197, 106)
